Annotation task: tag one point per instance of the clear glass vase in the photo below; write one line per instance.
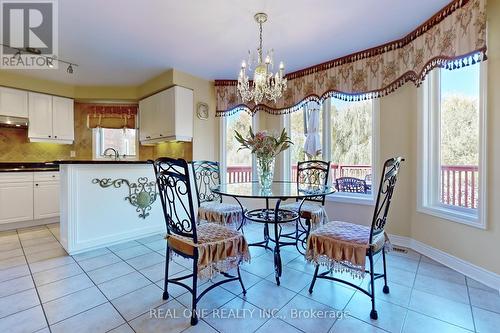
(265, 171)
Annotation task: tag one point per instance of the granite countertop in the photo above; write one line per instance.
(100, 162)
(54, 166)
(28, 166)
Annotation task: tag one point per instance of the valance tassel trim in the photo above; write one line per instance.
(453, 38)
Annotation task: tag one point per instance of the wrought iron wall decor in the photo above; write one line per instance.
(140, 195)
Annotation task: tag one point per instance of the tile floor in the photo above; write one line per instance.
(119, 289)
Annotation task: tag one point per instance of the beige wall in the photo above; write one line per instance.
(398, 136)
(205, 132)
(471, 244)
(15, 80)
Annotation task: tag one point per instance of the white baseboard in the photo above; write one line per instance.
(27, 224)
(468, 269)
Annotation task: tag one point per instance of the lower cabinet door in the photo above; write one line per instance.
(16, 202)
(46, 200)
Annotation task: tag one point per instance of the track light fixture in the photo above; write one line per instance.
(50, 61)
(17, 55)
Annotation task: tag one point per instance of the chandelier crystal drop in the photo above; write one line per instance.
(265, 84)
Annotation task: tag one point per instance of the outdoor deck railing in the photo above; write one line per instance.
(459, 185)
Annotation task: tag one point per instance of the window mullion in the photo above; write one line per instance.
(327, 129)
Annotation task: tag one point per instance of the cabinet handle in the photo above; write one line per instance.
(50, 136)
(36, 184)
(161, 134)
(148, 137)
(55, 136)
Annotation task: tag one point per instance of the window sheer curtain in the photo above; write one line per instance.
(312, 145)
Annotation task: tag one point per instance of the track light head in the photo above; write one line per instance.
(17, 55)
(69, 69)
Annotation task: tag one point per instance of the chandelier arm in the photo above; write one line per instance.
(260, 42)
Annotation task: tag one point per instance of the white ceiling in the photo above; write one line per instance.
(126, 42)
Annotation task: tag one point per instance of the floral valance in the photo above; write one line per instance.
(111, 115)
(454, 37)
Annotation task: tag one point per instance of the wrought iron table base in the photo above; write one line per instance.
(269, 216)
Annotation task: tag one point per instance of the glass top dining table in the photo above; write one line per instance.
(275, 216)
(279, 190)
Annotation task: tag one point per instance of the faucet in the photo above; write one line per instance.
(111, 152)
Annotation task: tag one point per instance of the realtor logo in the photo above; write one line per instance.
(29, 34)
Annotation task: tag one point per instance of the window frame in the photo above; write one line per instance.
(97, 146)
(345, 197)
(222, 144)
(429, 99)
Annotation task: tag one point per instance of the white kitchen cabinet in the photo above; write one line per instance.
(40, 116)
(51, 118)
(45, 199)
(13, 102)
(166, 116)
(63, 127)
(28, 196)
(146, 118)
(16, 197)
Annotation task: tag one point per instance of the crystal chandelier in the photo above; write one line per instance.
(265, 84)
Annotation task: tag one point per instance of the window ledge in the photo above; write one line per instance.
(455, 215)
(366, 200)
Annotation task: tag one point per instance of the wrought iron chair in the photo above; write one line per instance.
(344, 246)
(314, 172)
(368, 178)
(214, 248)
(351, 184)
(210, 206)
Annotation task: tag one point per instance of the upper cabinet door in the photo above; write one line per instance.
(184, 105)
(63, 127)
(13, 102)
(146, 120)
(164, 113)
(40, 116)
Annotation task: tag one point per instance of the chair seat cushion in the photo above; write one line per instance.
(219, 212)
(220, 248)
(311, 211)
(343, 246)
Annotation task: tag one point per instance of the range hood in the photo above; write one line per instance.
(15, 122)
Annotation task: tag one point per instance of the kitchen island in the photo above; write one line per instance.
(107, 202)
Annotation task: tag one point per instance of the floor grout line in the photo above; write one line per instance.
(84, 272)
(234, 295)
(36, 289)
(109, 301)
(470, 305)
(411, 293)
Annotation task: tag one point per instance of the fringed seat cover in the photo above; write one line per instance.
(342, 246)
(221, 213)
(314, 212)
(220, 248)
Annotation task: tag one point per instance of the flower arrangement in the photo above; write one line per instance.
(264, 144)
(266, 147)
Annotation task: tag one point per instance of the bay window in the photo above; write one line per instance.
(452, 152)
(348, 133)
(238, 165)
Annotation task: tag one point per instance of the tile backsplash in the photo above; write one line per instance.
(15, 146)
